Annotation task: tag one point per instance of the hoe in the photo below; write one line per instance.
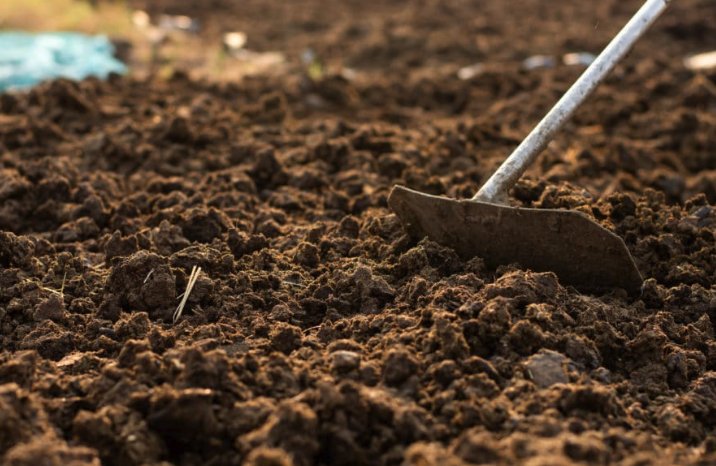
(581, 252)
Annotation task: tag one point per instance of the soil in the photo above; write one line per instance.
(317, 332)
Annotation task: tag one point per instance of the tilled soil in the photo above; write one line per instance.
(317, 332)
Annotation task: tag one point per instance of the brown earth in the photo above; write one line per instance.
(317, 332)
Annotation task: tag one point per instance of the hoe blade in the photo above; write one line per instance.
(581, 252)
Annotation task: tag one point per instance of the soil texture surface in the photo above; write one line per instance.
(316, 331)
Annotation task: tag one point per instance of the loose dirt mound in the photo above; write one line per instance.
(317, 332)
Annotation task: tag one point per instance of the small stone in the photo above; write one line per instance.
(578, 59)
(602, 375)
(538, 61)
(468, 72)
(702, 61)
(345, 361)
(546, 368)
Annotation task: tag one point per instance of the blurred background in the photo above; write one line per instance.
(227, 39)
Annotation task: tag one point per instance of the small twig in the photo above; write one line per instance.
(50, 290)
(148, 275)
(288, 282)
(62, 288)
(190, 284)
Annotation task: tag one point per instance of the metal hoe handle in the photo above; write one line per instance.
(495, 190)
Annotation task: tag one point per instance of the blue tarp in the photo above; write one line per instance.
(27, 59)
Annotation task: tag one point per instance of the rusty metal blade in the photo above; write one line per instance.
(579, 251)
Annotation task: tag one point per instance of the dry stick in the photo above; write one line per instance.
(190, 284)
(60, 292)
(62, 288)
